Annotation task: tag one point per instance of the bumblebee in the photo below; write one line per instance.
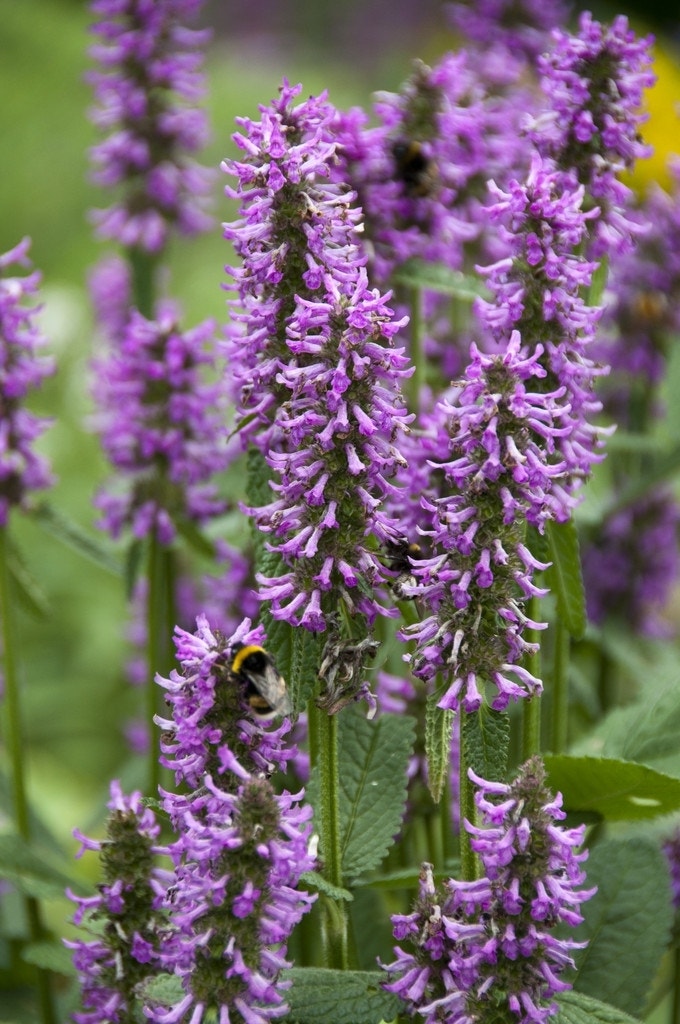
(399, 553)
(264, 687)
(416, 171)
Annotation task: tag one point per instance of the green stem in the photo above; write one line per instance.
(531, 707)
(448, 846)
(13, 738)
(160, 626)
(143, 269)
(13, 730)
(417, 380)
(468, 861)
(335, 918)
(560, 693)
(675, 1004)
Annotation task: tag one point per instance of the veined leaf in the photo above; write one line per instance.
(577, 1008)
(438, 729)
(373, 757)
(627, 923)
(320, 995)
(486, 736)
(316, 881)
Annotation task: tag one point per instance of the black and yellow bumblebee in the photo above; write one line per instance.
(264, 688)
(398, 558)
(417, 171)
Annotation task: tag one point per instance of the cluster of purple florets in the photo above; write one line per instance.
(22, 370)
(219, 915)
(456, 175)
(474, 949)
(312, 355)
(148, 86)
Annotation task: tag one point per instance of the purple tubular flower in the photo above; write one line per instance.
(594, 81)
(22, 470)
(485, 947)
(313, 357)
(125, 950)
(147, 87)
(537, 289)
(480, 573)
(206, 702)
(241, 847)
(161, 427)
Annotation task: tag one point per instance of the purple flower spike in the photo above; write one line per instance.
(479, 573)
(594, 81)
(485, 948)
(313, 356)
(538, 288)
(162, 427)
(125, 951)
(22, 470)
(241, 846)
(147, 87)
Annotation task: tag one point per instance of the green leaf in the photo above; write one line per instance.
(437, 277)
(646, 731)
(598, 283)
(162, 990)
(41, 835)
(372, 757)
(657, 471)
(25, 585)
(304, 669)
(438, 729)
(134, 559)
(564, 576)
(258, 491)
(486, 738)
(610, 788)
(576, 1008)
(629, 441)
(280, 645)
(627, 923)
(51, 956)
(406, 878)
(73, 536)
(320, 995)
(31, 873)
(316, 881)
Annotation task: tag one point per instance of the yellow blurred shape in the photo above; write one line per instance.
(662, 130)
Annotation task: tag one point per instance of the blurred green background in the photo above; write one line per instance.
(76, 695)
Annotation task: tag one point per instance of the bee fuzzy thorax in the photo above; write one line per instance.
(264, 688)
